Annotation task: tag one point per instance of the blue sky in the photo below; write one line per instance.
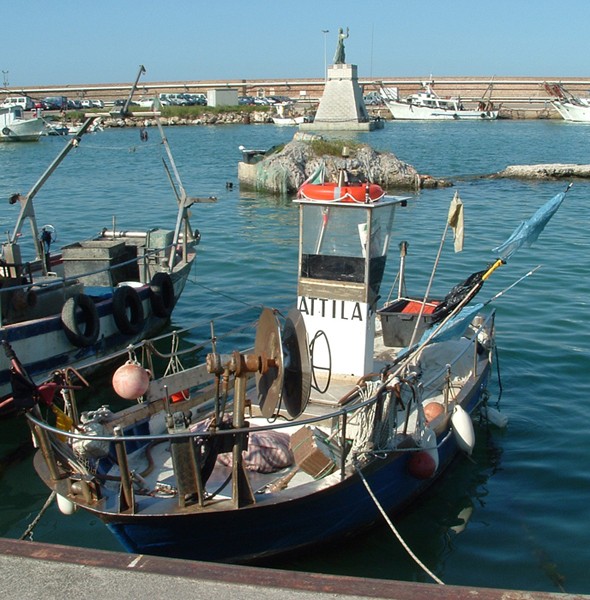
(104, 41)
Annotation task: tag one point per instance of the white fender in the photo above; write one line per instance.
(495, 417)
(66, 507)
(463, 429)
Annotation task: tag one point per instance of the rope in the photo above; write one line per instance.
(395, 531)
(36, 520)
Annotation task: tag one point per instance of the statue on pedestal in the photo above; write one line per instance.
(339, 56)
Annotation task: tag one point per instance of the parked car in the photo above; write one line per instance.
(97, 103)
(24, 102)
(55, 103)
(121, 102)
(74, 104)
(373, 99)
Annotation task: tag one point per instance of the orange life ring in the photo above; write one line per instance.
(351, 192)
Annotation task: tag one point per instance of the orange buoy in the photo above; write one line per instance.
(131, 380)
(432, 410)
(351, 192)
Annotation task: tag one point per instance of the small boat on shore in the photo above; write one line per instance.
(14, 127)
(92, 297)
(284, 116)
(428, 105)
(569, 106)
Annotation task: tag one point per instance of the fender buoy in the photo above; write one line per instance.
(66, 506)
(131, 380)
(162, 295)
(351, 192)
(80, 320)
(463, 429)
(6, 131)
(127, 310)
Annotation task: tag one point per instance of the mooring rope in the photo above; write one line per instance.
(36, 520)
(395, 531)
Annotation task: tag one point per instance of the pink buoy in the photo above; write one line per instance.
(131, 381)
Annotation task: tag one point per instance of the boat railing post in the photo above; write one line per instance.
(343, 453)
(447, 388)
(241, 490)
(478, 323)
(126, 500)
(185, 461)
(45, 445)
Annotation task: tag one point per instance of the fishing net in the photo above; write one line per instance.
(274, 177)
(471, 285)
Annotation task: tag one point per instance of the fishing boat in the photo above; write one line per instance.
(285, 118)
(15, 128)
(93, 296)
(428, 105)
(272, 435)
(321, 403)
(569, 106)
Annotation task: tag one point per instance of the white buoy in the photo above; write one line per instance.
(495, 417)
(463, 429)
(66, 507)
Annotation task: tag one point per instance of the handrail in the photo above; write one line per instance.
(343, 410)
(59, 280)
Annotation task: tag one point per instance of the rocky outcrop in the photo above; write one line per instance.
(284, 171)
(221, 118)
(546, 171)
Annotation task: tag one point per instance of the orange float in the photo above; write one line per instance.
(351, 192)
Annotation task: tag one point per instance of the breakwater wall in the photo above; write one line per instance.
(519, 97)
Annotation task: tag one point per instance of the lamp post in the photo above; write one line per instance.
(325, 32)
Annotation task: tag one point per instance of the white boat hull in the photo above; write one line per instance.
(573, 112)
(405, 111)
(21, 130)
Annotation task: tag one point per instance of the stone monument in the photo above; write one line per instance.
(342, 107)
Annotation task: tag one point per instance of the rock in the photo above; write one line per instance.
(545, 171)
(284, 171)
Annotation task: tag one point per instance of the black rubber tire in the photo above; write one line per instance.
(162, 298)
(127, 310)
(80, 320)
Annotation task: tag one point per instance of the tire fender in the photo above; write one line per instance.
(80, 320)
(127, 310)
(162, 298)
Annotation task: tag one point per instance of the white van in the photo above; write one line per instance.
(23, 101)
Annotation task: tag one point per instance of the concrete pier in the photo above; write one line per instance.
(32, 570)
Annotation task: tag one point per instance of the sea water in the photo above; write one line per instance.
(516, 513)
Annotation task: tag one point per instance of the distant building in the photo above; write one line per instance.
(223, 97)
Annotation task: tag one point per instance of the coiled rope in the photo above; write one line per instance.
(395, 531)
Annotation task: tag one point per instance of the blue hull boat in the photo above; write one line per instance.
(289, 430)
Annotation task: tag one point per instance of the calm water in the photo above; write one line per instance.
(527, 487)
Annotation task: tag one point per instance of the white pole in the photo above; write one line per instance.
(325, 32)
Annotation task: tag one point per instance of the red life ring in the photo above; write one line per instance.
(351, 192)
